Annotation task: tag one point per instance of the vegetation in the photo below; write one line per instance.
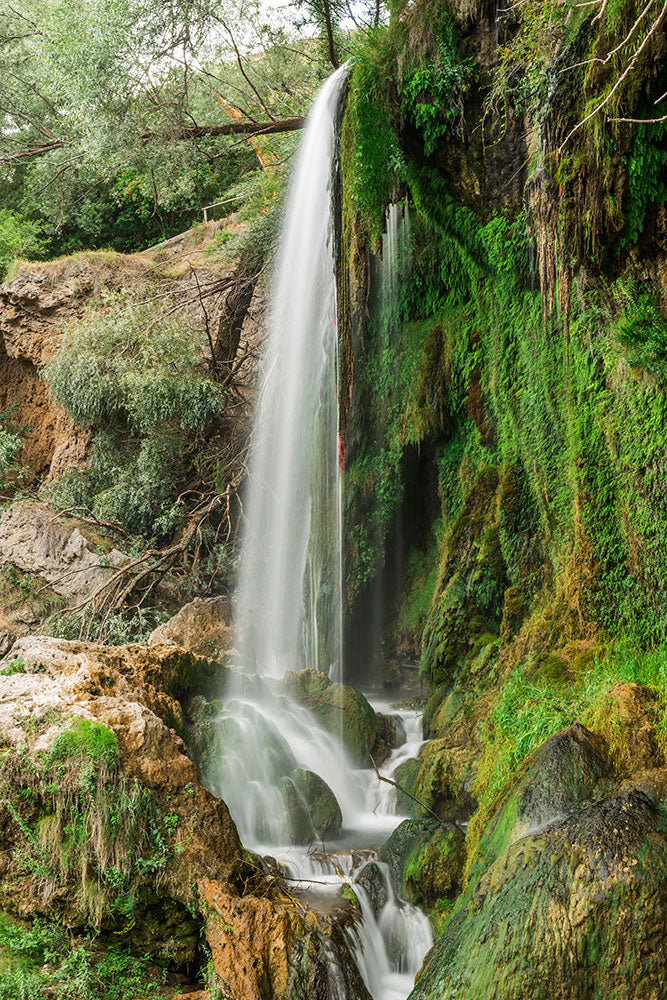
(41, 959)
(138, 381)
(86, 823)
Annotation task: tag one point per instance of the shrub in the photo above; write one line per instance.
(139, 383)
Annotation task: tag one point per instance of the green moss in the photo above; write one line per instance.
(87, 742)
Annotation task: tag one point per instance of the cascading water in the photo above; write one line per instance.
(288, 609)
(289, 599)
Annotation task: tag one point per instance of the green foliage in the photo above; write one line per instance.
(123, 370)
(40, 959)
(19, 237)
(88, 743)
(12, 472)
(138, 380)
(14, 666)
(432, 91)
(370, 154)
(647, 189)
(133, 625)
(641, 328)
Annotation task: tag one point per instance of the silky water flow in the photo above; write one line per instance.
(288, 606)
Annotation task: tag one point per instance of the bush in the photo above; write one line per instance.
(39, 960)
(139, 383)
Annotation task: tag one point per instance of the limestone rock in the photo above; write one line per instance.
(201, 627)
(87, 728)
(262, 948)
(40, 542)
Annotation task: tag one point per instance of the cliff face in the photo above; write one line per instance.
(506, 446)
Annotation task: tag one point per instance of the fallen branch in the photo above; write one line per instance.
(235, 128)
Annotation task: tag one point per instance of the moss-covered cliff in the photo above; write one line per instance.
(506, 444)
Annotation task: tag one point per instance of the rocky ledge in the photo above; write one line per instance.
(105, 825)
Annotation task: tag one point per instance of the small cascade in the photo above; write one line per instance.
(389, 946)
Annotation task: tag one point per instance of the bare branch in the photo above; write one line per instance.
(624, 74)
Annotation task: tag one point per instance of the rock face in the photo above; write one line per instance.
(104, 820)
(202, 627)
(261, 948)
(38, 541)
(567, 888)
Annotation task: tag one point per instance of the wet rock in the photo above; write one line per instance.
(300, 828)
(345, 712)
(372, 879)
(445, 778)
(262, 949)
(320, 801)
(201, 627)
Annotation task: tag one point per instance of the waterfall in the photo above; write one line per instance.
(288, 611)
(288, 607)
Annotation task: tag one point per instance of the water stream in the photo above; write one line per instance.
(288, 607)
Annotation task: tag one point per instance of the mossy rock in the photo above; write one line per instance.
(320, 801)
(568, 772)
(433, 872)
(445, 780)
(372, 880)
(574, 910)
(467, 605)
(405, 775)
(344, 712)
(300, 828)
(408, 837)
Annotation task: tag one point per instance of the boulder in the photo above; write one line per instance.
(426, 860)
(405, 775)
(55, 548)
(300, 828)
(575, 910)
(320, 801)
(373, 881)
(345, 712)
(566, 886)
(201, 627)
